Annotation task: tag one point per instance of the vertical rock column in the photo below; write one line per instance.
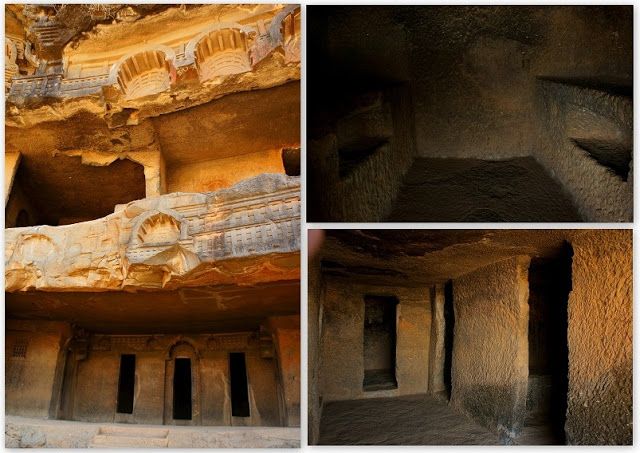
(286, 334)
(490, 346)
(436, 355)
(313, 348)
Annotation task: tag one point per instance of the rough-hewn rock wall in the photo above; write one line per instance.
(286, 336)
(152, 242)
(366, 192)
(490, 346)
(474, 83)
(217, 174)
(342, 344)
(94, 392)
(31, 366)
(600, 339)
(570, 113)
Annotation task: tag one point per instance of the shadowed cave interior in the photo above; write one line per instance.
(457, 337)
(470, 113)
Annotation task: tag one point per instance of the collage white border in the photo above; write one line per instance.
(385, 225)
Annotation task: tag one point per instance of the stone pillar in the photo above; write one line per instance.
(600, 313)
(436, 355)
(314, 334)
(154, 171)
(11, 162)
(286, 337)
(490, 347)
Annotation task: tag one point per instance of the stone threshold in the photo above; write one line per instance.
(27, 432)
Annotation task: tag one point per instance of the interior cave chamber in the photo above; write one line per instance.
(152, 226)
(470, 114)
(466, 337)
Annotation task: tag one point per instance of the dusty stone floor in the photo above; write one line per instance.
(408, 420)
(537, 431)
(37, 433)
(472, 190)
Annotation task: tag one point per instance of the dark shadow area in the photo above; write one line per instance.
(615, 156)
(62, 190)
(379, 343)
(239, 388)
(126, 383)
(549, 288)
(616, 87)
(472, 190)
(461, 84)
(291, 161)
(351, 157)
(182, 390)
(449, 325)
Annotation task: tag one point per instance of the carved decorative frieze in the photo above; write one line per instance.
(291, 36)
(170, 241)
(222, 52)
(223, 342)
(218, 50)
(144, 74)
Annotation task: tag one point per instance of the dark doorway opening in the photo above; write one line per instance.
(126, 383)
(239, 388)
(549, 288)
(291, 161)
(182, 390)
(379, 343)
(449, 323)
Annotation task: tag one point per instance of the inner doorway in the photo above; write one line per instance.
(379, 343)
(549, 288)
(182, 386)
(182, 409)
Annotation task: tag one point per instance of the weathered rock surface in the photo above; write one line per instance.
(108, 73)
(238, 235)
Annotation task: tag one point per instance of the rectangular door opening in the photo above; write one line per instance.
(239, 387)
(449, 324)
(126, 383)
(182, 389)
(379, 343)
(549, 288)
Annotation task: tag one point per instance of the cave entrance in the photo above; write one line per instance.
(449, 323)
(379, 343)
(63, 190)
(549, 288)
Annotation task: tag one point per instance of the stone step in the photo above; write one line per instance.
(130, 437)
(133, 431)
(108, 441)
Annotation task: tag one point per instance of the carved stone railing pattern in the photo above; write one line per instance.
(250, 46)
(170, 241)
(200, 342)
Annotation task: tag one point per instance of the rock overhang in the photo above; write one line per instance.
(245, 234)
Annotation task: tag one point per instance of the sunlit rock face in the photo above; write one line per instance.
(222, 52)
(172, 240)
(152, 226)
(105, 60)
